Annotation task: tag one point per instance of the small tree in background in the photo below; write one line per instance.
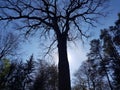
(16, 75)
(47, 77)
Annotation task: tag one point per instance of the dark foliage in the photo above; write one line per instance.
(16, 75)
(47, 77)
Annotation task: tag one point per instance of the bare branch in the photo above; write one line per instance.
(8, 45)
(50, 48)
(49, 14)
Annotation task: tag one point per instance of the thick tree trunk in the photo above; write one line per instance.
(63, 65)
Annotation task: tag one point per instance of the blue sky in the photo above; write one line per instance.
(76, 52)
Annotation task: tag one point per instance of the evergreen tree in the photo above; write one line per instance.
(47, 77)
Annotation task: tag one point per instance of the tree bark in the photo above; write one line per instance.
(63, 65)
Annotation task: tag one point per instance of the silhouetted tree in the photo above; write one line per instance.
(98, 61)
(62, 19)
(116, 44)
(116, 31)
(4, 71)
(88, 78)
(47, 77)
(112, 53)
(17, 75)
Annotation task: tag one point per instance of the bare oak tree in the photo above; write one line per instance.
(61, 17)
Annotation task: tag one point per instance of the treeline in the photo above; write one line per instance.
(29, 75)
(19, 74)
(101, 70)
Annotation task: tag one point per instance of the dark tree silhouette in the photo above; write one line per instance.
(98, 60)
(17, 75)
(116, 31)
(46, 78)
(113, 54)
(61, 17)
(88, 77)
(5, 70)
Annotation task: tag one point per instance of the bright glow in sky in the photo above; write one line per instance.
(76, 55)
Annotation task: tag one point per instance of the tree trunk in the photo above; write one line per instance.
(107, 76)
(63, 65)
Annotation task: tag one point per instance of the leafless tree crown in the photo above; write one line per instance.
(58, 15)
